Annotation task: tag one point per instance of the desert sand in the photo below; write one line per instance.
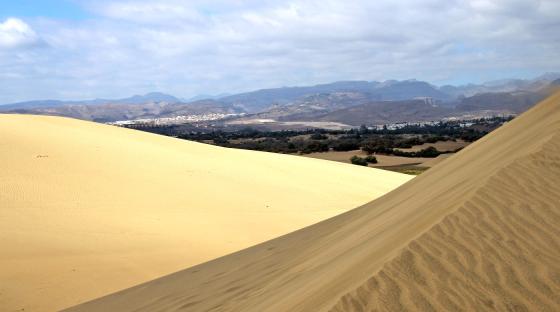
(89, 209)
(480, 231)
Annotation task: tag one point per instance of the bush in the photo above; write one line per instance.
(357, 160)
(318, 136)
(314, 147)
(427, 152)
(371, 159)
(346, 145)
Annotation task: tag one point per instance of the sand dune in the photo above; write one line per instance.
(479, 231)
(88, 209)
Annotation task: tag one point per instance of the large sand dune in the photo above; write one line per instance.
(480, 231)
(88, 209)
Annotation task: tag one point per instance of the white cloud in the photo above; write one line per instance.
(214, 46)
(16, 33)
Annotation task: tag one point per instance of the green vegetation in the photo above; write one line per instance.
(412, 171)
(427, 152)
(372, 141)
(371, 159)
(318, 136)
(363, 161)
(357, 160)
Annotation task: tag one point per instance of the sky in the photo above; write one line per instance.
(78, 49)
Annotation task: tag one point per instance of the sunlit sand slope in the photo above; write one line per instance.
(499, 251)
(88, 209)
(480, 231)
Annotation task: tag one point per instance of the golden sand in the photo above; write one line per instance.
(89, 209)
(478, 232)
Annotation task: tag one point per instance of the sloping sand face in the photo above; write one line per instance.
(88, 209)
(478, 232)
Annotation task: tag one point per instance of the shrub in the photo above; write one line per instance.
(428, 152)
(357, 160)
(344, 145)
(371, 159)
(318, 136)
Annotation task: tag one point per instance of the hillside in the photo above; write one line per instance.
(152, 97)
(89, 209)
(383, 112)
(110, 112)
(507, 103)
(263, 100)
(477, 232)
(337, 102)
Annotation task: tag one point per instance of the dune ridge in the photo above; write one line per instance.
(89, 209)
(478, 231)
(496, 252)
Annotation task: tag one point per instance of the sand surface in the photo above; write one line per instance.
(480, 231)
(89, 209)
(435, 161)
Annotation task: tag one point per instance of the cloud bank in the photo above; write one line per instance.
(215, 46)
(15, 33)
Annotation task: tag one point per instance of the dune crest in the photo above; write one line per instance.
(498, 251)
(477, 232)
(88, 209)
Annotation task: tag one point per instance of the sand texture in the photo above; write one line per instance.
(480, 231)
(88, 209)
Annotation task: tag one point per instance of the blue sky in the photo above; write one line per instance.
(64, 9)
(79, 49)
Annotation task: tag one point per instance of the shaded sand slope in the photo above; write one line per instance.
(479, 231)
(88, 209)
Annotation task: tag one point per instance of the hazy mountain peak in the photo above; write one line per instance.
(150, 97)
(548, 76)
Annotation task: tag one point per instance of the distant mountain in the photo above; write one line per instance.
(555, 83)
(153, 97)
(415, 110)
(500, 86)
(110, 112)
(207, 97)
(346, 94)
(31, 104)
(315, 102)
(262, 100)
(356, 108)
(388, 112)
(310, 106)
(550, 76)
(507, 103)
(408, 89)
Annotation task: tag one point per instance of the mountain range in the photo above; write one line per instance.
(412, 100)
(135, 99)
